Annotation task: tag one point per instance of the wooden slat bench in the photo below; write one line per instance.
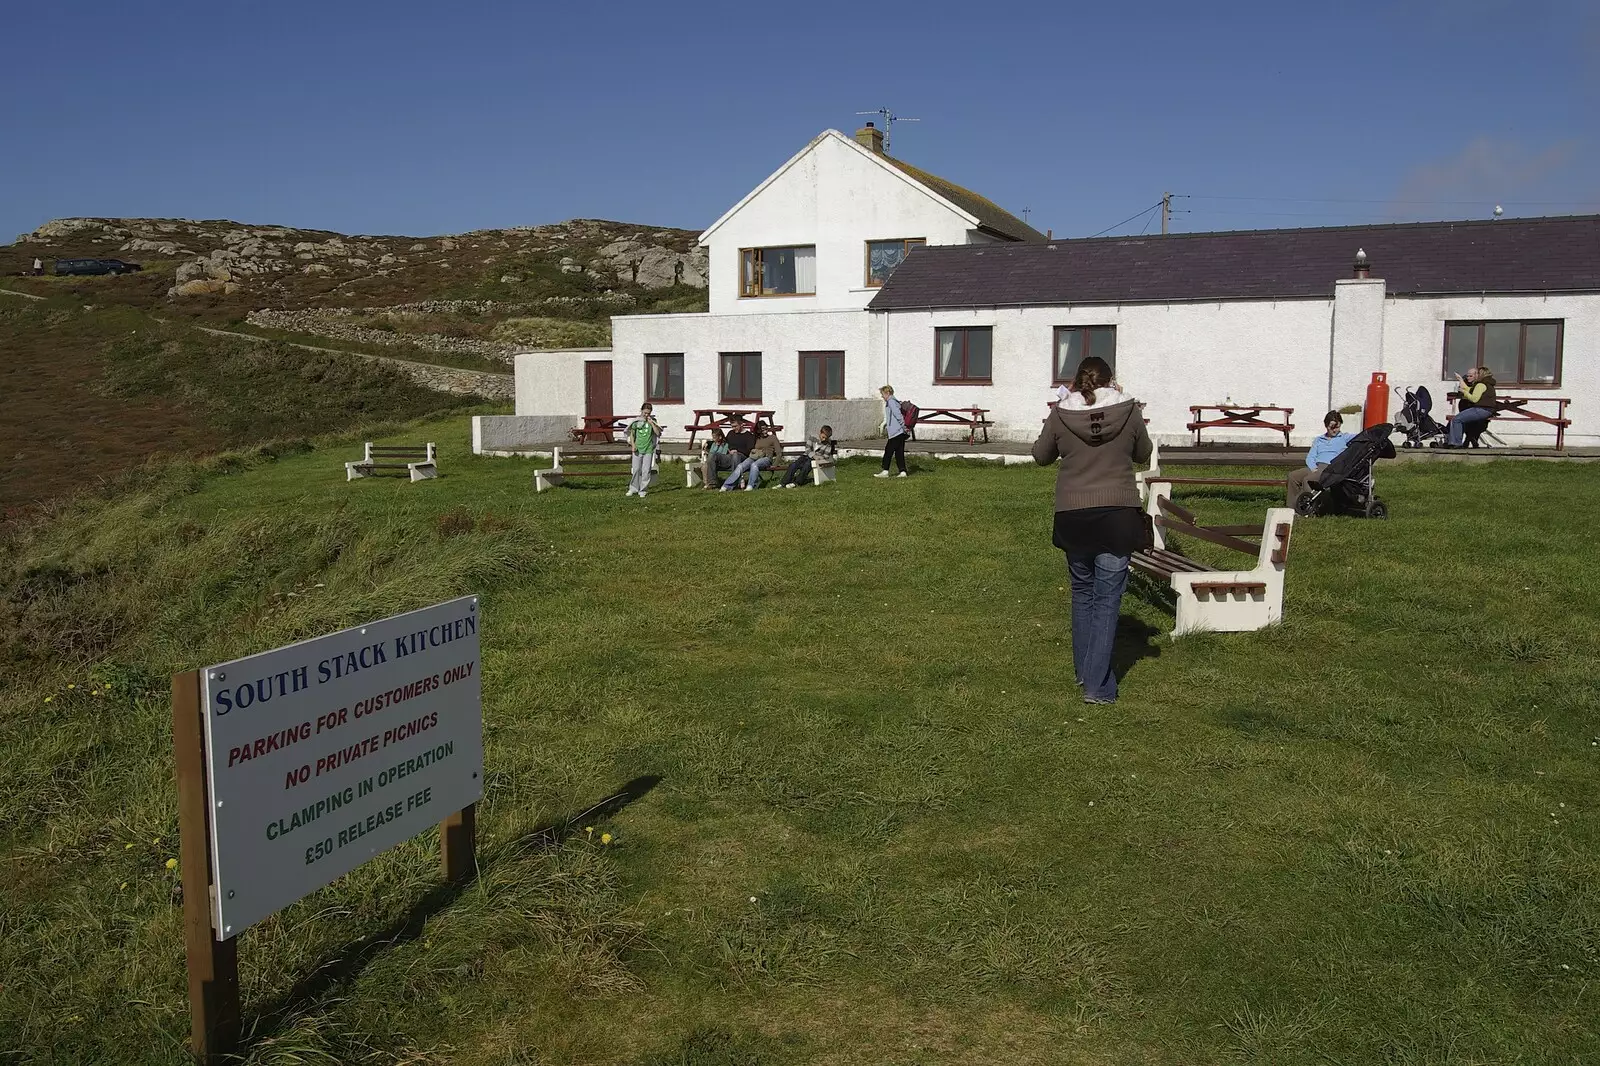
(1224, 601)
(419, 461)
(1145, 478)
(695, 470)
(601, 462)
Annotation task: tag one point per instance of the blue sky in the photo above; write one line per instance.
(418, 118)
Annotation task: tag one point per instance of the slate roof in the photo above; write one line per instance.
(1504, 255)
(991, 216)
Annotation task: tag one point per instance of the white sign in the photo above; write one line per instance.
(324, 753)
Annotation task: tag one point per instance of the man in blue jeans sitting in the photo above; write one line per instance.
(1324, 450)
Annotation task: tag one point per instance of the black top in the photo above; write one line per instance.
(1100, 530)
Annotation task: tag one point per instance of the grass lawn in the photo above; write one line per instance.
(885, 830)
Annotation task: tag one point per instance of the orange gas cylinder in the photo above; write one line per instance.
(1377, 410)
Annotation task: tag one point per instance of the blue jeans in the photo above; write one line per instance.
(751, 467)
(1097, 585)
(1458, 425)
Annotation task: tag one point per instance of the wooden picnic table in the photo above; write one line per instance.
(1516, 409)
(974, 418)
(725, 418)
(601, 428)
(1239, 416)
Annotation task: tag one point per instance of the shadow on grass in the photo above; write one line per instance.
(1135, 640)
(348, 962)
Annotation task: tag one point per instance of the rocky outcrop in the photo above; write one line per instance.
(606, 252)
(632, 261)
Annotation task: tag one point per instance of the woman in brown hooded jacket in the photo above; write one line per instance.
(1098, 524)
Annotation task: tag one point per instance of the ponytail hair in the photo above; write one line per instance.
(1093, 373)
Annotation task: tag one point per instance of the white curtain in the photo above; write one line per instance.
(805, 270)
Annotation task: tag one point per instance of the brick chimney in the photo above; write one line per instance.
(1363, 269)
(870, 138)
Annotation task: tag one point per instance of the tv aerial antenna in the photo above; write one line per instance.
(889, 119)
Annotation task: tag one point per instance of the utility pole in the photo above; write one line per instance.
(1166, 211)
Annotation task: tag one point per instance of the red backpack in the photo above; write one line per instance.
(908, 414)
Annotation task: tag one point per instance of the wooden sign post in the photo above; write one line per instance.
(213, 964)
(378, 775)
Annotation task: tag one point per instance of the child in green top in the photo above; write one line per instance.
(644, 435)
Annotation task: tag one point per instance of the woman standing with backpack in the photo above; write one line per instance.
(894, 423)
(1098, 522)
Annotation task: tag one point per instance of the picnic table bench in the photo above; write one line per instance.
(975, 419)
(600, 428)
(695, 473)
(1515, 409)
(417, 460)
(1224, 601)
(725, 418)
(602, 462)
(1239, 416)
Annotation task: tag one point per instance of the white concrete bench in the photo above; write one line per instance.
(695, 472)
(418, 460)
(1222, 601)
(602, 462)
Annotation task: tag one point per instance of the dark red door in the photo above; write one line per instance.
(597, 390)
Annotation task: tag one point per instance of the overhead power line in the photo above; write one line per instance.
(1153, 207)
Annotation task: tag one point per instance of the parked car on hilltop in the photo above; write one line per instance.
(95, 266)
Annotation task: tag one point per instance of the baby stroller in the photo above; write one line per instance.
(1415, 421)
(1346, 486)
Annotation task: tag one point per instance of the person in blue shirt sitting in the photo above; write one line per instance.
(1324, 450)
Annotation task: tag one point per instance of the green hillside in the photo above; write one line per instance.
(882, 827)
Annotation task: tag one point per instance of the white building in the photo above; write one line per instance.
(792, 267)
(806, 320)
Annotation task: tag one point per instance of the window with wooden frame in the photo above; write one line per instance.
(884, 256)
(822, 375)
(1074, 344)
(963, 355)
(740, 374)
(663, 378)
(1525, 353)
(788, 271)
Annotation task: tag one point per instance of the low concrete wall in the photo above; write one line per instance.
(517, 434)
(850, 419)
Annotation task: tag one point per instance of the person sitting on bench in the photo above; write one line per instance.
(819, 449)
(762, 455)
(1324, 450)
(720, 457)
(1477, 405)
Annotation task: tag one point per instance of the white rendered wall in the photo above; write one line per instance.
(1413, 354)
(1168, 355)
(1358, 327)
(837, 198)
(550, 382)
(701, 338)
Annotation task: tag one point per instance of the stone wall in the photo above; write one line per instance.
(326, 323)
